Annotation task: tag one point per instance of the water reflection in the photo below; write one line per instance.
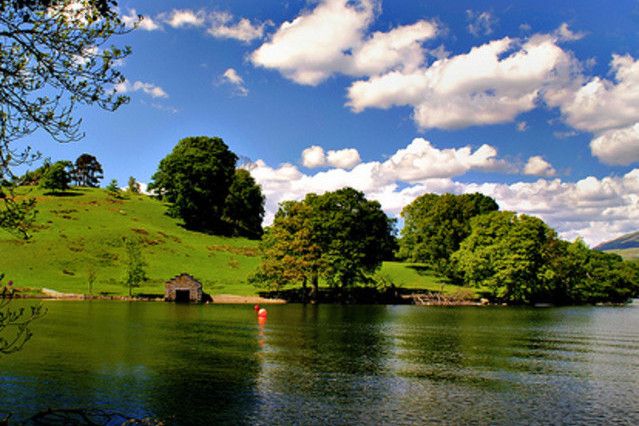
(331, 364)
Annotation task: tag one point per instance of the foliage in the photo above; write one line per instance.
(521, 260)
(244, 206)
(289, 253)
(54, 56)
(338, 236)
(435, 226)
(14, 323)
(195, 178)
(87, 171)
(508, 254)
(113, 189)
(57, 177)
(590, 276)
(136, 266)
(133, 186)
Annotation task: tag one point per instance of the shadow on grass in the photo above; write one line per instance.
(68, 193)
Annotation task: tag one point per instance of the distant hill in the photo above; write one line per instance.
(628, 241)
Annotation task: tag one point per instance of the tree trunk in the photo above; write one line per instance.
(315, 284)
(304, 291)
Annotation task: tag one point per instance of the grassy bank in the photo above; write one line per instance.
(82, 232)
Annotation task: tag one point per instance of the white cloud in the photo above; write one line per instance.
(564, 33)
(231, 76)
(243, 30)
(332, 39)
(179, 18)
(602, 104)
(133, 20)
(343, 158)
(313, 157)
(537, 166)
(492, 83)
(596, 209)
(480, 23)
(313, 46)
(619, 146)
(522, 126)
(148, 88)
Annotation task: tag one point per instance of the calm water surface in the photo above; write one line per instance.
(331, 364)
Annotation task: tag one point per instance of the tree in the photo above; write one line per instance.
(133, 186)
(509, 254)
(53, 57)
(289, 254)
(14, 323)
(353, 233)
(196, 178)
(435, 226)
(583, 275)
(57, 177)
(135, 271)
(113, 189)
(87, 171)
(339, 236)
(244, 206)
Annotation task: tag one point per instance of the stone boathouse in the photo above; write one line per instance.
(183, 288)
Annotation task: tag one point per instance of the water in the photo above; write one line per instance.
(331, 364)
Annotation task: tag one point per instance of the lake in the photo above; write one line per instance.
(330, 364)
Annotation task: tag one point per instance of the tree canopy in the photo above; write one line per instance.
(205, 190)
(339, 236)
(54, 55)
(244, 206)
(435, 225)
(520, 259)
(57, 176)
(87, 171)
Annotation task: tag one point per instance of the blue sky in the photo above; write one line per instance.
(534, 105)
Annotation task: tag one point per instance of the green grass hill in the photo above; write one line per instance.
(82, 233)
(627, 246)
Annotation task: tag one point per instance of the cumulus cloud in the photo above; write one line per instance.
(222, 26)
(492, 83)
(596, 209)
(619, 146)
(480, 23)
(343, 158)
(147, 88)
(564, 33)
(133, 20)
(315, 156)
(332, 39)
(522, 126)
(231, 77)
(601, 104)
(179, 18)
(537, 166)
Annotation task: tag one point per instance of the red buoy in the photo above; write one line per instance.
(256, 308)
(262, 313)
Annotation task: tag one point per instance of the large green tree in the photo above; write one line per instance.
(87, 171)
(435, 225)
(509, 254)
(196, 178)
(57, 176)
(338, 236)
(290, 255)
(244, 206)
(54, 55)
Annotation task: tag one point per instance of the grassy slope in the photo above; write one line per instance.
(83, 232)
(627, 254)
